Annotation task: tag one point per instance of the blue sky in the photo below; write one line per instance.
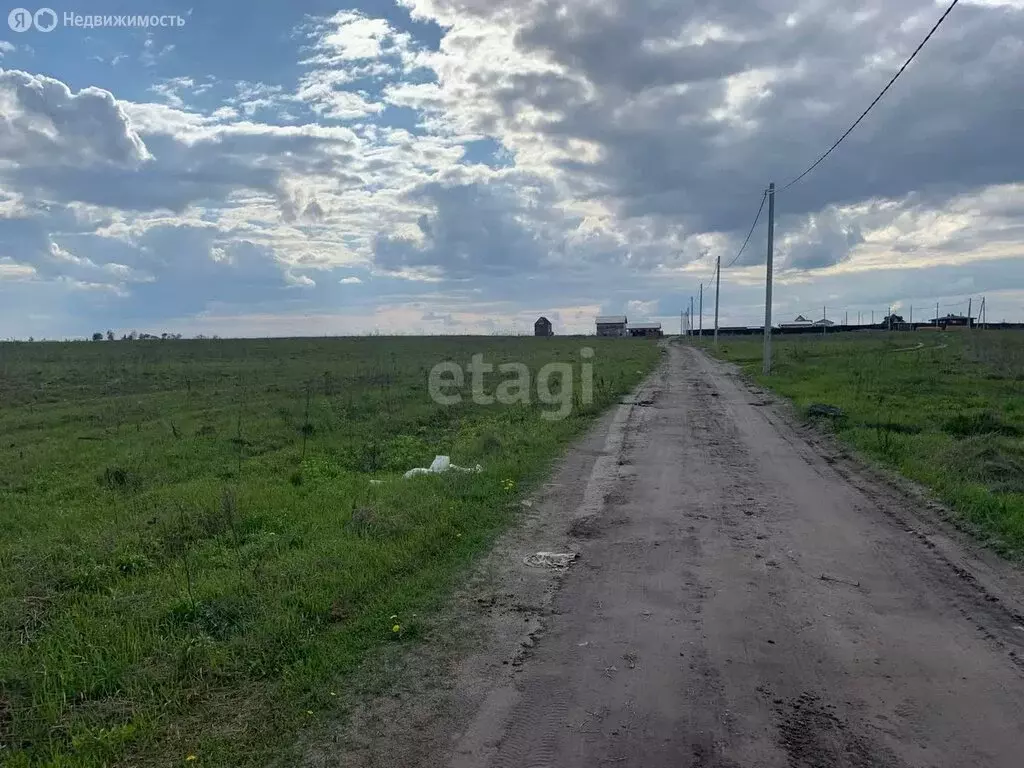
(458, 166)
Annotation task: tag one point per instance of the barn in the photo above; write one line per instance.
(611, 325)
(543, 327)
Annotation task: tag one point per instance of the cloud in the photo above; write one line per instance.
(466, 229)
(350, 280)
(47, 125)
(152, 52)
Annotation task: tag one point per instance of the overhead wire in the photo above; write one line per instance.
(877, 98)
(751, 232)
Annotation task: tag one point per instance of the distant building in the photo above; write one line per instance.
(543, 327)
(644, 329)
(611, 325)
(803, 322)
(952, 321)
(800, 322)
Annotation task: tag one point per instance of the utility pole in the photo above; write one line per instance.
(681, 333)
(858, 317)
(691, 315)
(718, 285)
(872, 317)
(983, 313)
(936, 314)
(846, 319)
(888, 318)
(970, 322)
(824, 316)
(911, 317)
(700, 315)
(767, 366)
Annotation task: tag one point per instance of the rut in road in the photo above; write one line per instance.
(742, 600)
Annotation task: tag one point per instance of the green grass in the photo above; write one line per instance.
(190, 564)
(949, 415)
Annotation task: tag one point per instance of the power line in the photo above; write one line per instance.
(877, 98)
(751, 232)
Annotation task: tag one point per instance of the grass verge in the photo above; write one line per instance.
(943, 408)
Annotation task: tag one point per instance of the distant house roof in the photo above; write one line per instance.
(822, 322)
(645, 326)
(543, 320)
(800, 322)
(611, 320)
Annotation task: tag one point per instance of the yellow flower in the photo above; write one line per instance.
(190, 758)
(309, 711)
(396, 628)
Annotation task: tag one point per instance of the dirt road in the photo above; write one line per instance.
(742, 597)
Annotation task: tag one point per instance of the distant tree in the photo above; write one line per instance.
(131, 336)
(98, 336)
(110, 335)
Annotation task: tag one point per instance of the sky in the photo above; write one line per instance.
(464, 166)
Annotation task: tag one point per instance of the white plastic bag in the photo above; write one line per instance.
(438, 465)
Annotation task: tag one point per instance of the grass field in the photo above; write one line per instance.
(943, 408)
(192, 555)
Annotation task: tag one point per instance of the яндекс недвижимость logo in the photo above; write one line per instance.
(46, 20)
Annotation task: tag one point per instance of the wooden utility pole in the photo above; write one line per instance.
(718, 285)
(970, 322)
(700, 321)
(767, 365)
(824, 316)
(691, 316)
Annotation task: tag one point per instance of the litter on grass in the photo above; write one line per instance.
(439, 465)
(550, 559)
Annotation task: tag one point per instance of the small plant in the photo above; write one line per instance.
(119, 479)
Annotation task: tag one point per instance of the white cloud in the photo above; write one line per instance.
(46, 124)
(350, 280)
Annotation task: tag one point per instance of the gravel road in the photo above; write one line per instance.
(744, 595)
